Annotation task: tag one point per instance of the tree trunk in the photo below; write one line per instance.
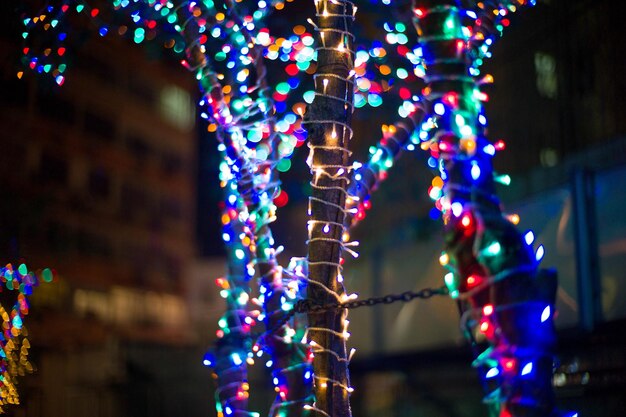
(328, 122)
(506, 303)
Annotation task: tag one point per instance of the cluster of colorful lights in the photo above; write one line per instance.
(225, 46)
(507, 302)
(258, 129)
(14, 343)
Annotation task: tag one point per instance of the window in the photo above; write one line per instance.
(545, 67)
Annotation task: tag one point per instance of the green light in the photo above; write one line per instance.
(494, 248)
(254, 135)
(400, 27)
(171, 18)
(139, 35)
(22, 269)
(374, 100)
(309, 96)
(80, 7)
(303, 66)
(46, 274)
(284, 165)
(402, 73)
(504, 179)
(237, 105)
(402, 39)
(283, 88)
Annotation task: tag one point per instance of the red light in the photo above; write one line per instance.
(94, 12)
(61, 51)
(452, 99)
(509, 364)
(292, 70)
(473, 280)
(500, 145)
(281, 199)
(488, 310)
(419, 12)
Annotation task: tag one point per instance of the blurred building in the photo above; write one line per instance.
(98, 182)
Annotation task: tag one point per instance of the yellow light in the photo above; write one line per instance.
(514, 218)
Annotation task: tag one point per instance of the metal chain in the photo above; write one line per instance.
(310, 306)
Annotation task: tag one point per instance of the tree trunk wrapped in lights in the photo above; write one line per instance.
(365, 178)
(228, 357)
(506, 302)
(328, 121)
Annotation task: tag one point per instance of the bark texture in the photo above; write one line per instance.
(328, 122)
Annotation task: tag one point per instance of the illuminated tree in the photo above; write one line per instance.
(506, 303)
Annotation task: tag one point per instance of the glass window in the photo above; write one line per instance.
(611, 201)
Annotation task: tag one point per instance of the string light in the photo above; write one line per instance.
(14, 343)
(481, 252)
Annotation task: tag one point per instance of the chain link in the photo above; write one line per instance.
(309, 306)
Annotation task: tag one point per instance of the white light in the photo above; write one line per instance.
(475, 172)
(236, 359)
(545, 315)
(528, 368)
(529, 237)
(540, 252)
(440, 109)
(226, 237)
(239, 254)
(457, 208)
(492, 372)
